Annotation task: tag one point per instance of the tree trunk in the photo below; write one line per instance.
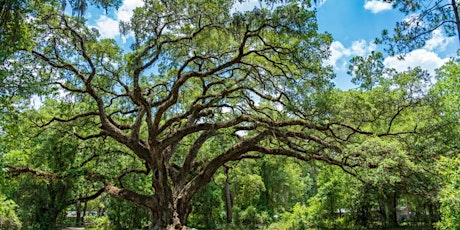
(169, 219)
(78, 214)
(169, 210)
(173, 215)
(47, 219)
(382, 211)
(363, 214)
(433, 214)
(393, 212)
(457, 18)
(392, 218)
(228, 198)
(85, 209)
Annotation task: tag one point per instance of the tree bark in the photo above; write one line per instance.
(363, 214)
(85, 209)
(78, 218)
(228, 198)
(382, 211)
(391, 209)
(168, 210)
(457, 18)
(171, 217)
(47, 218)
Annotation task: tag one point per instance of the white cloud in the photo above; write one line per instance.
(438, 41)
(422, 58)
(338, 52)
(377, 6)
(126, 10)
(245, 5)
(109, 27)
(361, 48)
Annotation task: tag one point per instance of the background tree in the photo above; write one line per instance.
(423, 17)
(396, 168)
(446, 96)
(48, 169)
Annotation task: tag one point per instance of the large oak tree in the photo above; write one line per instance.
(203, 85)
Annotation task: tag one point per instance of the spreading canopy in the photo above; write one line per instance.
(201, 86)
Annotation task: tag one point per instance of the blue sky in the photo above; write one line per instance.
(354, 25)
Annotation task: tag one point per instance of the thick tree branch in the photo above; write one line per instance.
(126, 194)
(14, 171)
(182, 132)
(193, 152)
(86, 198)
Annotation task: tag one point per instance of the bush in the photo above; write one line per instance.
(250, 217)
(295, 220)
(8, 218)
(97, 222)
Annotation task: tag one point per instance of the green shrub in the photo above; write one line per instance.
(97, 222)
(295, 220)
(8, 218)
